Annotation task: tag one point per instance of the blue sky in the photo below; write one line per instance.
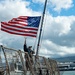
(58, 35)
(63, 12)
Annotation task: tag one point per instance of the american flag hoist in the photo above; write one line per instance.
(26, 26)
(23, 25)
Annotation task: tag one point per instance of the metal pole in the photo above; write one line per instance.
(41, 27)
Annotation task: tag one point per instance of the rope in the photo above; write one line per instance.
(45, 22)
(34, 44)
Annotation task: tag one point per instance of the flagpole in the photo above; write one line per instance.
(42, 19)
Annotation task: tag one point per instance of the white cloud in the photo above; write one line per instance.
(58, 26)
(63, 24)
(51, 49)
(15, 8)
(61, 4)
(57, 5)
(1, 43)
(58, 36)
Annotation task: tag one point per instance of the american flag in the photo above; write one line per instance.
(23, 25)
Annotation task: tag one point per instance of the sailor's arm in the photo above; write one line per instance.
(25, 46)
(25, 42)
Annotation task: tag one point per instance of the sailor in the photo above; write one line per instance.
(30, 53)
(28, 50)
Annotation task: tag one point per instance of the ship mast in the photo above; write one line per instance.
(42, 19)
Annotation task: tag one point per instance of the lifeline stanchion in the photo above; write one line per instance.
(47, 73)
(40, 72)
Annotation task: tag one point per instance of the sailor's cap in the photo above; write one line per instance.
(30, 47)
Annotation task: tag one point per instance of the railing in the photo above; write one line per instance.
(17, 62)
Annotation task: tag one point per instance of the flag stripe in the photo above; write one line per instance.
(18, 19)
(19, 30)
(17, 22)
(23, 18)
(12, 32)
(19, 26)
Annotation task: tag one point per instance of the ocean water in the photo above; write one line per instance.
(68, 73)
